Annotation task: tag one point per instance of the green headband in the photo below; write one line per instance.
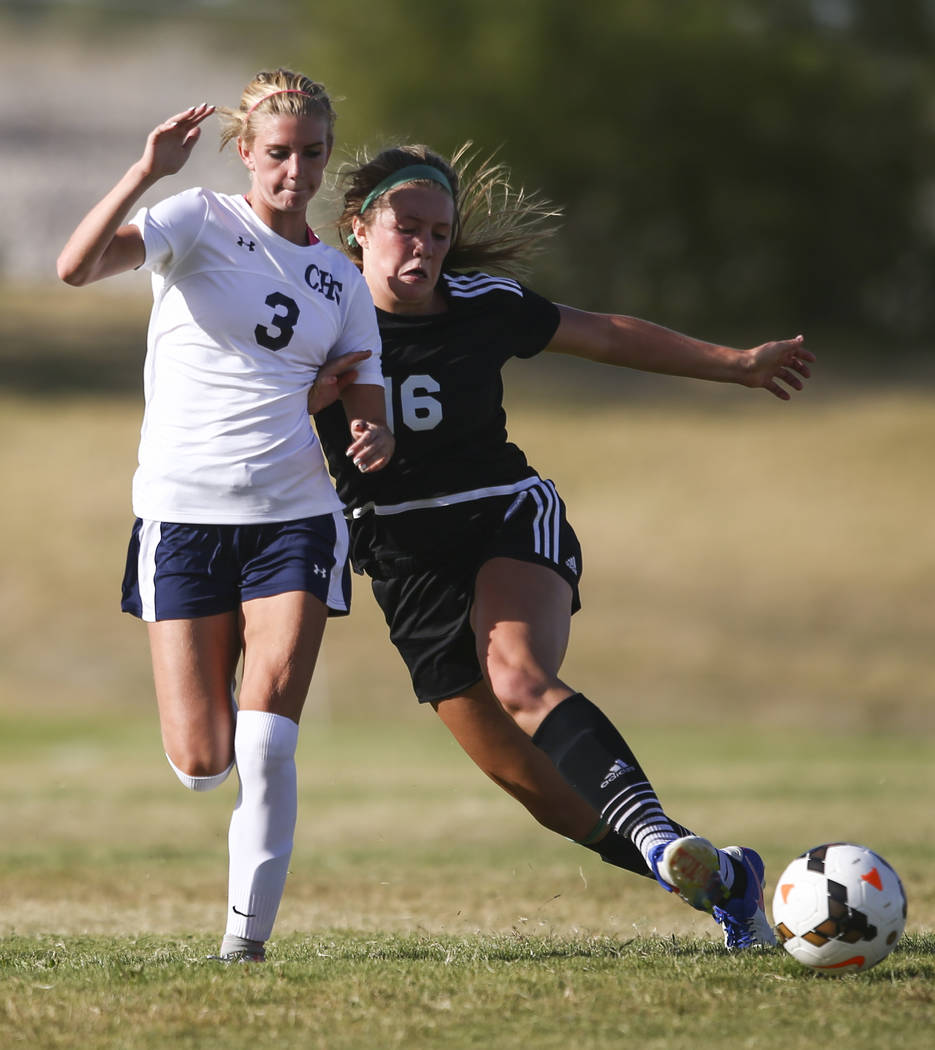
(411, 173)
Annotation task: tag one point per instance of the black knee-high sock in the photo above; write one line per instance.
(595, 759)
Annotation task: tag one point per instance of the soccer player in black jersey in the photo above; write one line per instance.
(470, 554)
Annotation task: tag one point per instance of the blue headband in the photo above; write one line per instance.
(411, 173)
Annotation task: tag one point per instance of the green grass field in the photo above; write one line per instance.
(758, 620)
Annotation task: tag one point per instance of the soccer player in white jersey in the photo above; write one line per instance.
(239, 545)
(471, 556)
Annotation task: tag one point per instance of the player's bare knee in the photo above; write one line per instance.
(521, 694)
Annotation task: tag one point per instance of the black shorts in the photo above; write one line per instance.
(423, 564)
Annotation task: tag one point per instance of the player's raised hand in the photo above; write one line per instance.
(170, 144)
(783, 361)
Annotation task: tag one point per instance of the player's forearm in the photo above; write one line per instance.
(91, 253)
(629, 342)
(652, 348)
(373, 444)
(365, 401)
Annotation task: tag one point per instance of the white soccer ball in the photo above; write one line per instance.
(839, 908)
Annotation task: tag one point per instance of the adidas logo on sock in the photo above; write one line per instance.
(618, 769)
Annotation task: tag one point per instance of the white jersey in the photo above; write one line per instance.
(242, 320)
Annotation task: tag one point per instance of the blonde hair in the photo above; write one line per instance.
(496, 227)
(278, 92)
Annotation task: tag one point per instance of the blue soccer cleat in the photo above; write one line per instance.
(743, 918)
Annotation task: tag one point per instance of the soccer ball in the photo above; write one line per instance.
(839, 908)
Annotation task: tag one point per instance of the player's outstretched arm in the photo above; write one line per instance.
(100, 246)
(629, 342)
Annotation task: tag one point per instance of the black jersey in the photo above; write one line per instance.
(445, 394)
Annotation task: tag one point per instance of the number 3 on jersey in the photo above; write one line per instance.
(282, 325)
(418, 409)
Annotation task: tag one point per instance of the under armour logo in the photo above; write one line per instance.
(249, 245)
(319, 571)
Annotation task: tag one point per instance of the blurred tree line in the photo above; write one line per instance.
(724, 162)
(721, 164)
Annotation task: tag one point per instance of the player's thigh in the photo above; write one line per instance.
(194, 661)
(521, 618)
(282, 635)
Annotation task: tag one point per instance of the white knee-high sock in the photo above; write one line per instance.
(200, 783)
(263, 823)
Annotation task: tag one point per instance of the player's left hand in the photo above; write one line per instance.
(372, 447)
(784, 361)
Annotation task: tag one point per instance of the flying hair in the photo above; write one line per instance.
(496, 228)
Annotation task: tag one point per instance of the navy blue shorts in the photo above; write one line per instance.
(180, 572)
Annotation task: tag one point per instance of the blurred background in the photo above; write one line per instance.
(725, 164)
(740, 169)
